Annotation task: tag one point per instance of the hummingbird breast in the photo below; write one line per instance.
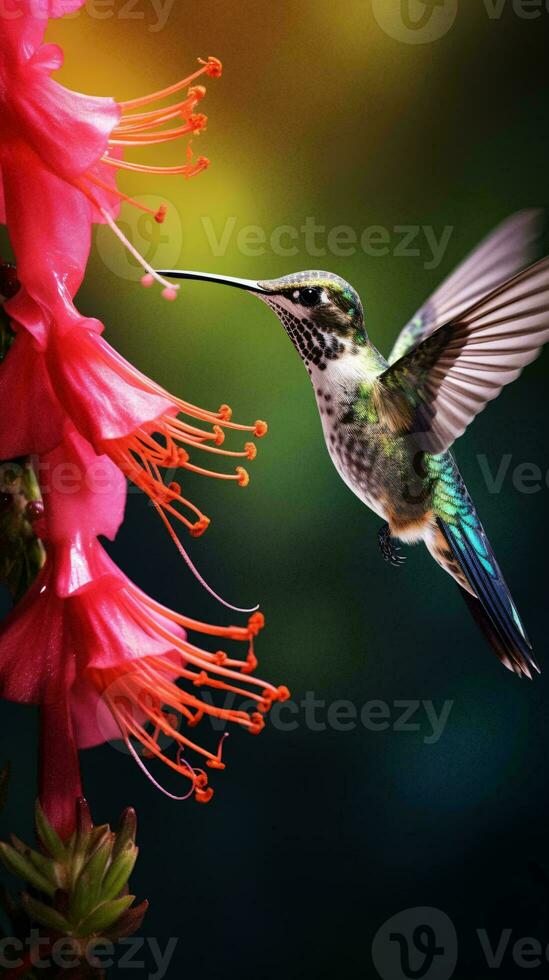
(386, 472)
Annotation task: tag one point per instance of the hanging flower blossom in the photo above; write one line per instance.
(59, 155)
(102, 658)
(58, 159)
(124, 414)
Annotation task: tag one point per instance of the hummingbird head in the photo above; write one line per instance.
(321, 313)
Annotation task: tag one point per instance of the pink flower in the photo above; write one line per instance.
(120, 411)
(59, 155)
(102, 658)
(50, 138)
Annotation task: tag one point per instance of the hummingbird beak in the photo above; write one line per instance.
(250, 285)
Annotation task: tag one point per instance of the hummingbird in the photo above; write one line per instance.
(390, 424)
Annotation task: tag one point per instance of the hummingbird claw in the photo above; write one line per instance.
(389, 548)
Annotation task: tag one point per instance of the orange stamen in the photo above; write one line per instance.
(211, 67)
(145, 691)
(160, 446)
(157, 116)
(195, 124)
(187, 169)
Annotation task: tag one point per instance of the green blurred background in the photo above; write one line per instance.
(315, 838)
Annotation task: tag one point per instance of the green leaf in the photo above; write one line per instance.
(48, 836)
(43, 864)
(80, 906)
(126, 831)
(105, 916)
(95, 869)
(130, 922)
(119, 872)
(44, 915)
(21, 867)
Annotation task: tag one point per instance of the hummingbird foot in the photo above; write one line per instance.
(389, 548)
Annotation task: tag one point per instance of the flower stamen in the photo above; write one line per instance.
(169, 290)
(211, 67)
(146, 692)
(142, 455)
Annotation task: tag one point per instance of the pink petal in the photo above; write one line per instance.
(109, 631)
(93, 722)
(35, 422)
(84, 494)
(100, 392)
(49, 223)
(37, 661)
(68, 131)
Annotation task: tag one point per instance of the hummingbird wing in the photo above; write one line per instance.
(436, 390)
(510, 248)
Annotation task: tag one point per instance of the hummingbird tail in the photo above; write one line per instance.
(486, 593)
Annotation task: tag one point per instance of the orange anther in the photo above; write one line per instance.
(256, 623)
(175, 488)
(283, 693)
(260, 429)
(161, 214)
(225, 413)
(204, 795)
(219, 435)
(198, 529)
(197, 92)
(258, 723)
(214, 68)
(243, 476)
(220, 658)
(198, 121)
(200, 679)
(215, 764)
(251, 450)
(182, 457)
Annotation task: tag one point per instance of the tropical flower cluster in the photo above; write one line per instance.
(101, 658)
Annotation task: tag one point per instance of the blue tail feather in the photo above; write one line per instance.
(491, 605)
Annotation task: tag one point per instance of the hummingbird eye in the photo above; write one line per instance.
(309, 296)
